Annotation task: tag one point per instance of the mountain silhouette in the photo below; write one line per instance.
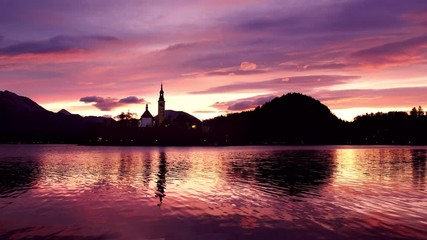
(11, 102)
(23, 120)
(65, 112)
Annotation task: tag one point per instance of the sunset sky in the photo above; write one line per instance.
(102, 57)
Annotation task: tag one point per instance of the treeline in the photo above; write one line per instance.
(390, 128)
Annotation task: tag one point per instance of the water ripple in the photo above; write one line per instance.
(62, 191)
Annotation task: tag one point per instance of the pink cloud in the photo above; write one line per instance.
(417, 17)
(247, 66)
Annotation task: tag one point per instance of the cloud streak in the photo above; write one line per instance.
(407, 52)
(57, 44)
(311, 81)
(374, 98)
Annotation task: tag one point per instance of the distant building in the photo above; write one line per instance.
(161, 108)
(146, 118)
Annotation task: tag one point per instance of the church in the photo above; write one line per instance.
(147, 120)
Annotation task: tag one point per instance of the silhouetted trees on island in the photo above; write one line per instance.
(390, 128)
(292, 119)
(417, 113)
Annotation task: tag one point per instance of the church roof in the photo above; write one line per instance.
(147, 113)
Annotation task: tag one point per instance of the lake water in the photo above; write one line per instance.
(338, 192)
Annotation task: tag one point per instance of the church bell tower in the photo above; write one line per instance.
(161, 107)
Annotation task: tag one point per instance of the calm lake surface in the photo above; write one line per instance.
(333, 192)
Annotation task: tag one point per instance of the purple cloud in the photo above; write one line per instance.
(353, 16)
(56, 44)
(90, 99)
(311, 81)
(243, 104)
(234, 72)
(131, 99)
(107, 104)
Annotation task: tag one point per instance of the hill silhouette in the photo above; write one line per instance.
(293, 118)
(179, 118)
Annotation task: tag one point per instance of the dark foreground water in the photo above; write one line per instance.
(344, 192)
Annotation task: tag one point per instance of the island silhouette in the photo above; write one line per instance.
(292, 119)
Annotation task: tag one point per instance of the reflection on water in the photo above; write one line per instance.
(161, 178)
(17, 176)
(419, 157)
(56, 191)
(293, 173)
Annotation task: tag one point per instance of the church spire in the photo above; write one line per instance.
(161, 98)
(161, 107)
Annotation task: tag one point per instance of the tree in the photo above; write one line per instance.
(420, 111)
(126, 116)
(414, 112)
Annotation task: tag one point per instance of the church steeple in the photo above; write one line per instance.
(161, 98)
(161, 107)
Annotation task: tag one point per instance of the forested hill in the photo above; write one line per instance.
(293, 118)
(299, 119)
